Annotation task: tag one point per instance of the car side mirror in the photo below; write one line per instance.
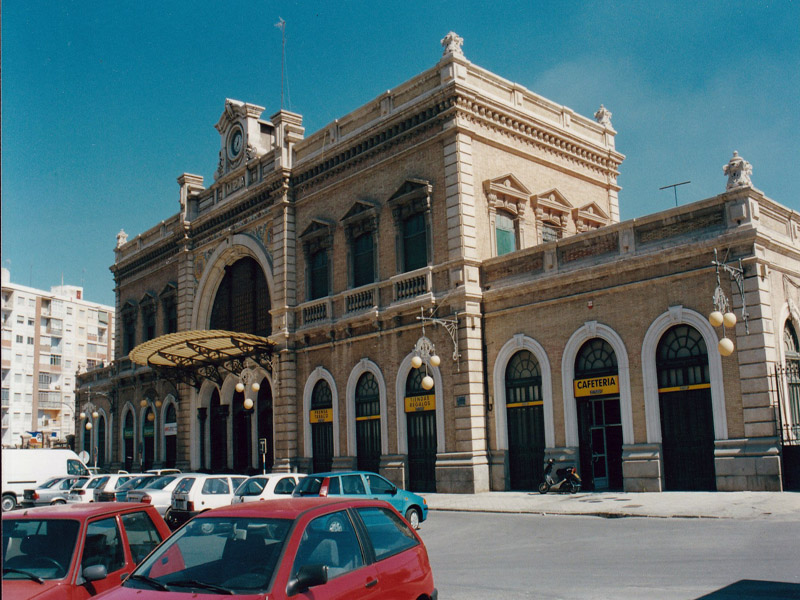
(393, 491)
(307, 577)
(95, 573)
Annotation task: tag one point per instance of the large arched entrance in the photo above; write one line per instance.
(525, 418)
(321, 419)
(368, 423)
(687, 422)
(420, 407)
(596, 388)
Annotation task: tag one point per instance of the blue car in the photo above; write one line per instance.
(363, 484)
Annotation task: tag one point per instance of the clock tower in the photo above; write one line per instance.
(243, 136)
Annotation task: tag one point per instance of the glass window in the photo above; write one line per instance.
(103, 546)
(75, 467)
(215, 485)
(550, 233)
(285, 486)
(415, 243)
(330, 540)
(319, 274)
(506, 237)
(353, 484)
(185, 485)
(142, 534)
(363, 260)
(237, 481)
(333, 486)
(387, 532)
(379, 485)
(238, 554)
(41, 547)
(251, 487)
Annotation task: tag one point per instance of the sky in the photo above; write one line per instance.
(105, 103)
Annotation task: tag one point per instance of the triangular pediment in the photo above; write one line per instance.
(360, 208)
(317, 227)
(552, 200)
(593, 212)
(170, 288)
(509, 186)
(411, 188)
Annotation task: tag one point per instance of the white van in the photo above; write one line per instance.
(27, 468)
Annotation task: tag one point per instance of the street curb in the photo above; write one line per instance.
(604, 515)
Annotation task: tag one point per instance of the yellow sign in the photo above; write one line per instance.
(420, 403)
(597, 386)
(321, 415)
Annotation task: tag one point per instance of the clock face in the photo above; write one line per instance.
(235, 143)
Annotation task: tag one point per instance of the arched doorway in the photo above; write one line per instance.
(525, 418)
(242, 444)
(368, 423)
(264, 408)
(242, 300)
(170, 436)
(218, 433)
(596, 388)
(128, 437)
(101, 440)
(321, 419)
(148, 438)
(687, 421)
(420, 407)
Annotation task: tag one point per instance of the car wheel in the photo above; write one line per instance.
(9, 503)
(413, 517)
(59, 501)
(543, 487)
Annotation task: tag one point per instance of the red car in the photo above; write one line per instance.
(293, 548)
(75, 551)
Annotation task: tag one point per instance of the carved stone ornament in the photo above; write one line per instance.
(603, 116)
(122, 238)
(452, 43)
(738, 171)
(220, 166)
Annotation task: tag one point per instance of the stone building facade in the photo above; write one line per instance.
(462, 219)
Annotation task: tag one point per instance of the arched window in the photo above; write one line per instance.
(523, 379)
(368, 423)
(322, 426)
(682, 358)
(242, 301)
(596, 357)
(791, 353)
(525, 418)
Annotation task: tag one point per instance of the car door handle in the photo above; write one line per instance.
(372, 583)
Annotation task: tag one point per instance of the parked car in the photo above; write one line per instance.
(158, 491)
(30, 468)
(75, 551)
(52, 492)
(363, 484)
(300, 547)
(160, 472)
(83, 491)
(134, 483)
(199, 493)
(263, 487)
(104, 492)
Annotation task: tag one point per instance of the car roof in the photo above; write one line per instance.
(287, 508)
(73, 511)
(337, 473)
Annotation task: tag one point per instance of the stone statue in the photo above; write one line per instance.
(603, 116)
(122, 238)
(452, 43)
(738, 171)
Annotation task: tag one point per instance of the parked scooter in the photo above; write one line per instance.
(568, 480)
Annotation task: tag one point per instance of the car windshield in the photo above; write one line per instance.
(236, 554)
(142, 483)
(95, 482)
(38, 548)
(309, 486)
(50, 483)
(131, 483)
(159, 483)
(252, 487)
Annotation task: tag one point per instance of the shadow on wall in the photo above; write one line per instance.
(751, 589)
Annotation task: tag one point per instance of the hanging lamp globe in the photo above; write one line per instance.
(95, 414)
(255, 386)
(240, 387)
(82, 416)
(427, 382)
(248, 404)
(88, 426)
(416, 362)
(725, 347)
(143, 403)
(151, 417)
(435, 360)
(729, 319)
(715, 318)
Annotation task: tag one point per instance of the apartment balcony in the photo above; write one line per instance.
(6, 421)
(50, 404)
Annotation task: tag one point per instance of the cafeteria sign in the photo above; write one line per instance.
(420, 403)
(321, 415)
(597, 386)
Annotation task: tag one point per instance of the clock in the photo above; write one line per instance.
(235, 143)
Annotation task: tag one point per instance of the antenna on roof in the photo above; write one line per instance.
(281, 24)
(674, 189)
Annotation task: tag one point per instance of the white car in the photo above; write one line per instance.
(104, 491)
(263, 487)
(158, 492)
(199, 493)
(84, 490)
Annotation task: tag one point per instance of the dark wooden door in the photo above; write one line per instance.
(422, 451)
(525, 446)
(687, 438)
(322, 446)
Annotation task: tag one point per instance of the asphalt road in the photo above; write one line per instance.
(520, 556)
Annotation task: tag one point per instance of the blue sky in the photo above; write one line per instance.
(105, 104)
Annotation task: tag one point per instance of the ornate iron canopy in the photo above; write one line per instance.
(194, 356)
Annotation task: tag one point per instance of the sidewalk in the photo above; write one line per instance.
(784, 506)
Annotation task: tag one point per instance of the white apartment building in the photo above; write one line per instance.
(47, 338)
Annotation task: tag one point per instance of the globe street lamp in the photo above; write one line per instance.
(723, 314)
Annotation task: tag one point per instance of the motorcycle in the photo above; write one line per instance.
(568, 480)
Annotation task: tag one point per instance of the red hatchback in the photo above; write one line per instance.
(294, 548)
(75, 551)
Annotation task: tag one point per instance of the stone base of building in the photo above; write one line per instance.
(462, 472)
(748, 465)
(395, 468)
(641, 468)
(498, 470)
(344, 463)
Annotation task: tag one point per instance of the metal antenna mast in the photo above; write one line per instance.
(674, 187)
(281, 24)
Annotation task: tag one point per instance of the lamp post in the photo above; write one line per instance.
(248, 379)
(90, 410)
(723, 314)
(424, 349)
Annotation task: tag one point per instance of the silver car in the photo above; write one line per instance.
(52, 491)
(158, 492)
